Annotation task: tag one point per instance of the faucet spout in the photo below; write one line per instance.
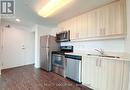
(101, 51)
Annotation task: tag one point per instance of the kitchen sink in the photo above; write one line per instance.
(103, 55)
(111, 56)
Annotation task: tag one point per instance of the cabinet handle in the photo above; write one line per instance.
(101, 31)
(100, 63)
(97, 62)
(104, 30)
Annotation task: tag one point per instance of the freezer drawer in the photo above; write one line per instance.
(73, 68)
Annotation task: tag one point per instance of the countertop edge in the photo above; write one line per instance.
(122, 58)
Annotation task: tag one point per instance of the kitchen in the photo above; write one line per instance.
(88, 47)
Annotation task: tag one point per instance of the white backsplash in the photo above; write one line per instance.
(116, 45)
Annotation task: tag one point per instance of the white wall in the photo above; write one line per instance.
(116, 45)
(54, 31)
(13, 54)
(40, 31)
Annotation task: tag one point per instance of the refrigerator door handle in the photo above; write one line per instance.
(48, 54)
(47, 44)
(48, 59)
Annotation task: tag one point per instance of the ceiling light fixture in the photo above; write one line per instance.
(52, 6)
(18, 20)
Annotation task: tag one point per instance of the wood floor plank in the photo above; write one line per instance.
(29, 78)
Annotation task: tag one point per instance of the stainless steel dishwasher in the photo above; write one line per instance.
(73, 67)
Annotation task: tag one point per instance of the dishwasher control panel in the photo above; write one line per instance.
(75, 57)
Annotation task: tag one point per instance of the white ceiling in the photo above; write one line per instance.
(27, 10)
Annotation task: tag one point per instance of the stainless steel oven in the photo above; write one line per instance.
(58, 59)
(58, 63)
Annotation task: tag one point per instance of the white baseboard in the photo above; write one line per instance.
(37, 66)
(17, 65)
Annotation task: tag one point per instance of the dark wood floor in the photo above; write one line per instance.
(29, 78)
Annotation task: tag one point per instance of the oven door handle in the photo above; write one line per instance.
(58, 55)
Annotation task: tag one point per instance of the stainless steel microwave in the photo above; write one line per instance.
(63, 36)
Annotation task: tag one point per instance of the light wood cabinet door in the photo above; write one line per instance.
(114, 17)
(79, 30)
(70, 27)
(109, 20)
(92, 24)
(89, 72)
(73, 29)
(111, 75)
(63, 26)
(126, 74)
(77, 23)
(102, 21)
(120, 18)
(83, 26)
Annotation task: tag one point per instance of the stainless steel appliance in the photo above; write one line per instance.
(63, 36)
(58, 63)
(47, 45)
(73, 67)
(58, 59)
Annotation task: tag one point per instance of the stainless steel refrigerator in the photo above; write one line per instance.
(47, 45)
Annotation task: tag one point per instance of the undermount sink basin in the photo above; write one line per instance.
(103, 56)
(111, 56)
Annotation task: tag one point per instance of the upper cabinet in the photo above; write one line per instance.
(106, 21)
(109, 20)
(92, 24)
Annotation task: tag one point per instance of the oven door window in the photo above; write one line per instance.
(58, 60)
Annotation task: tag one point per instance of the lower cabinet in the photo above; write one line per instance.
(105, 74)
(89, 72)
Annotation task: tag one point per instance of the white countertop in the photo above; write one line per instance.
(123, 56)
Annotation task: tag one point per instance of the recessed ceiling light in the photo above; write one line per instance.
(52, 6)
(18, 20)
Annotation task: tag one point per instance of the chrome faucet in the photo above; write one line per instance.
(101, 51)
